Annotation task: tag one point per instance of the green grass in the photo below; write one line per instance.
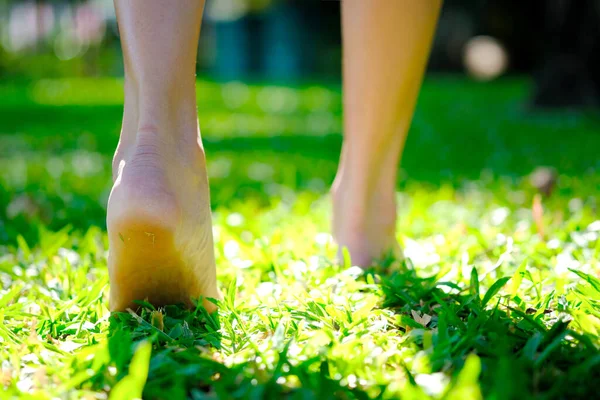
(485, 306)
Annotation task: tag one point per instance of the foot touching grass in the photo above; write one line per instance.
(486, 304)
(159, 226)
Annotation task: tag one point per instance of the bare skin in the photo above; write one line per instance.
(159, 221)
(386, 45)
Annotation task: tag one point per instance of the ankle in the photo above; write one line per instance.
(364, 190)
(179, 145)
(161, 106)
(176, 131)
(364, 208)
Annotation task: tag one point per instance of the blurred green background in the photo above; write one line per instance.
(511, 88)
(271, 120)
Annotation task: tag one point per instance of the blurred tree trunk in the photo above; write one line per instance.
(570, 72)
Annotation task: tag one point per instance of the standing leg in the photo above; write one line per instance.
(159, 221)
(386, 45)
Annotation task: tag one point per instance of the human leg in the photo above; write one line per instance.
(159, 221)
(386, 45)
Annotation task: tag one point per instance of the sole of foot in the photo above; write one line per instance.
(160, 231)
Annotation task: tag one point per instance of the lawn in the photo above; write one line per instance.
(499, 296)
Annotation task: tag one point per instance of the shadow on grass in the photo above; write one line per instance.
(459, 140)
(55, 158)
(55, 161)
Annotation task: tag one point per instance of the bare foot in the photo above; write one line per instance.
(159, 224)
(364, 225)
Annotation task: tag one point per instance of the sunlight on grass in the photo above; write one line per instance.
(486, 305)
